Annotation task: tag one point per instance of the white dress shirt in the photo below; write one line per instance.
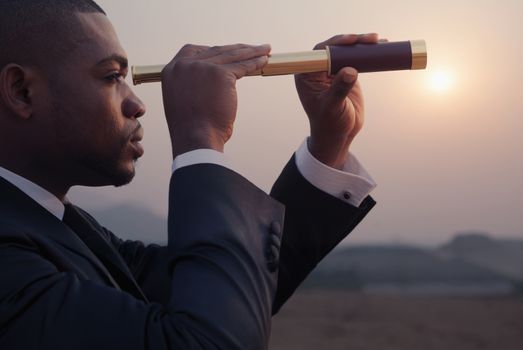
(41, 196)
(352, 184)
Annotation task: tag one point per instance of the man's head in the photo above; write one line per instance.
(65, 109)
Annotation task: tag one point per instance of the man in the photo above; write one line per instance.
(235, 254)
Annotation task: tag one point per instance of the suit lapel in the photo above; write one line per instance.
(24, 213)
(92, 234)
(70, 240)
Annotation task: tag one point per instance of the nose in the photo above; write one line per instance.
(133, 107)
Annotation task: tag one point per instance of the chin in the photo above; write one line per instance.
(122, 181)
(109, 175)
(109, 171)
(124, 177)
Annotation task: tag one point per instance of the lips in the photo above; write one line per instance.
(138, 148)
(137, 135)
(135, 142)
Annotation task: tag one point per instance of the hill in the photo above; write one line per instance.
(469, 264)
(502, 256)
(134, 223)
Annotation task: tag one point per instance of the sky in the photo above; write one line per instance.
(443, 144)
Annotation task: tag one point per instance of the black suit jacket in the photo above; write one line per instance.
(211, 288)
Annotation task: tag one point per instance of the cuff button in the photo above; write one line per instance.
(276, 228)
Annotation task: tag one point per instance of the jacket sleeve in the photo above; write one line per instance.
(220, 294)
(315, 222)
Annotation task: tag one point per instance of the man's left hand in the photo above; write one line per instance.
(334, 105)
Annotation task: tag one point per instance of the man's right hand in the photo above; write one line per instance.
(199, 93)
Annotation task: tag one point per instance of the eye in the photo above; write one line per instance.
(114, 77)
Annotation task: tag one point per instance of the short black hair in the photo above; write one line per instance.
(32, 29)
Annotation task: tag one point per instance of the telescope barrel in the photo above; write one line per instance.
(382, 56)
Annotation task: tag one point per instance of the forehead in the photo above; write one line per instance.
(96, 38)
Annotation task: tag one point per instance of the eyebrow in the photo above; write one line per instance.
(122, 60)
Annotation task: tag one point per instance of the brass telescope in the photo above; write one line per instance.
(382, 56)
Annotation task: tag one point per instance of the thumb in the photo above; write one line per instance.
(342, 83)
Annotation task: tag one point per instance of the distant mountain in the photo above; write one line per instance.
(470, 263)
(402, 264)
(135, 223)
(502, 256)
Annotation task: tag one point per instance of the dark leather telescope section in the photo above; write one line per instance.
(372, 57)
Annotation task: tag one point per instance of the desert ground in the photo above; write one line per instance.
(332, 320)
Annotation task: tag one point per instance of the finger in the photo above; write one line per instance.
(243, 68)
(242, 54)
(189, 50)
(217, 50)
(347, 39)
(369, 38)
(342, 84)
(341, 39)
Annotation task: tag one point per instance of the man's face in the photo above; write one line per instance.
(93, 110)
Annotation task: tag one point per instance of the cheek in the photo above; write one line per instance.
(103, 120)
(89, 118)
(107, 138)
(91, 130)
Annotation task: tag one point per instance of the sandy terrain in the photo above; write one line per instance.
(339, 320)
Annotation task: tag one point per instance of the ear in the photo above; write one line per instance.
(15, 90)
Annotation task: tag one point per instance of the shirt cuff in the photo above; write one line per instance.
(352, 184)
(200, 156)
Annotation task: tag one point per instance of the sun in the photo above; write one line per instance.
(440, 81)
